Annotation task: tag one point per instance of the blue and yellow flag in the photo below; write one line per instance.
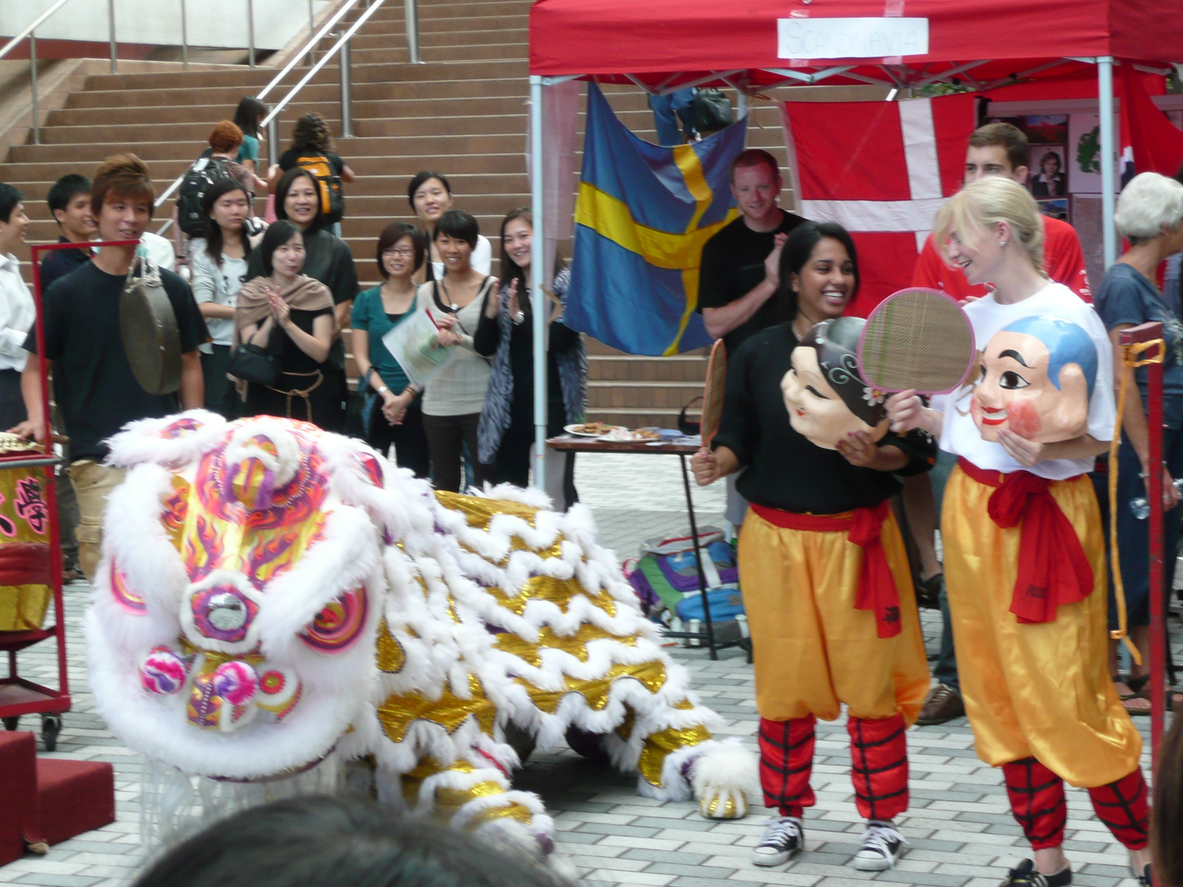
(643, 215)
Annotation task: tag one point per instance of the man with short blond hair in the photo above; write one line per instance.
(739, 273)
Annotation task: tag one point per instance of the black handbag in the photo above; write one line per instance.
(255, 363)
(710, 111)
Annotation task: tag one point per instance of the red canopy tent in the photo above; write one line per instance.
(665, 43)
(662, 45)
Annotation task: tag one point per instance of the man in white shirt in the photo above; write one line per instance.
(16, 307)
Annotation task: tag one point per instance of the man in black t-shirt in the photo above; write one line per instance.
(737, 289)
(92, 379)
(69, 204)
(739, 275)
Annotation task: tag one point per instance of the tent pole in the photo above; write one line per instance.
(539, 305)
(1105, 94)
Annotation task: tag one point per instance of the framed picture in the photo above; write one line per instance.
(1019, 123)
(1056, 208)
(1048, 176)
(1046, 129)
(1084, 154)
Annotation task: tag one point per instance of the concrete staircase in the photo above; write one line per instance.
(463, 113)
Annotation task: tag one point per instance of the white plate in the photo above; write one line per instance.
(574, 430)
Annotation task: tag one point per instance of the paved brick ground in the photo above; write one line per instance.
(959, 827)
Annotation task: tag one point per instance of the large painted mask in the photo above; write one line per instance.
(243, 590)
(824, 393)
(1036, 378)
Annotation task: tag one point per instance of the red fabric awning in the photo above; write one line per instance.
(608, 40)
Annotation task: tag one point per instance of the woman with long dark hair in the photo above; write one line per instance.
(820, 552)
(506, 333)
(218, 269)
(292, 314)
(393, 409)
(327, 258)
(248, 116)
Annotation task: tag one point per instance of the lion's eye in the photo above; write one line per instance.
(227, 612)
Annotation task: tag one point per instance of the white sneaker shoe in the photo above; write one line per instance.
(882, 846)
(783, 839)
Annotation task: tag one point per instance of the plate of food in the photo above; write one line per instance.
(619, 433)
(588, 429)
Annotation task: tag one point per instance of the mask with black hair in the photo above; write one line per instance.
(824, 392)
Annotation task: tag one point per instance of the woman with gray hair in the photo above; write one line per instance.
(1149, 216)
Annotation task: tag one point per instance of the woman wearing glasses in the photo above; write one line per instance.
(393, 412)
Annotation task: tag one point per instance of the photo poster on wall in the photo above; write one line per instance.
(1064, 175)
(1057, 208)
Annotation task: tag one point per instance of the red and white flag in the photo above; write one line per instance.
(881, 170)
(1149, 141)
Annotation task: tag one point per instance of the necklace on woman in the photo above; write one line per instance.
(452, 303)
(801, 335)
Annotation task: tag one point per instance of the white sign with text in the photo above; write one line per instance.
(851, 38)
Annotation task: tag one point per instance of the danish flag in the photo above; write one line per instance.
(881, 170)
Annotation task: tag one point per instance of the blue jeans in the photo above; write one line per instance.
(664, 108)
(1133, 537)
(946, 668)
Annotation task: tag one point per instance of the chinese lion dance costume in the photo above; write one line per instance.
(279, 609)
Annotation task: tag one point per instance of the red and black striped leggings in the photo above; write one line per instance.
(1037, 802)
(879, 765)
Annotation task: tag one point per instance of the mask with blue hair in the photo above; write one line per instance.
(1036, 378)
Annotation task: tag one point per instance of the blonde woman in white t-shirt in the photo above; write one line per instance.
(453, 399)
(1024, 554)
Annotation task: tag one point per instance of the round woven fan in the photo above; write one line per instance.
(917, 339)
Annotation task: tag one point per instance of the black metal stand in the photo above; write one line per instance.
(682, 451)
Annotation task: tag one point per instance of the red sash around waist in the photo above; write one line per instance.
(876, 590)
(1053, 568)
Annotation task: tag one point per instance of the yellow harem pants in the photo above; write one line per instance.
(1037, 690)
(812, 649)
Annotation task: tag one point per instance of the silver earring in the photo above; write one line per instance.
(1002, 243)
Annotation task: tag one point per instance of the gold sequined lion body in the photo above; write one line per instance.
(279, 606)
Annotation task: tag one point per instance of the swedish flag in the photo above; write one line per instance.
(642, 217)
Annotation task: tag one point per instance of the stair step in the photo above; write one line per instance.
(438, 38)
(315, 92)
(647, 369)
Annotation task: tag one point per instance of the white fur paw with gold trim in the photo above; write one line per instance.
(724, 780)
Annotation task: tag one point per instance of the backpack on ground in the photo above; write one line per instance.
(332, 197)
(665, 577)
(205, 172)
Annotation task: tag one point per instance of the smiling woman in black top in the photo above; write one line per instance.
(819, 552)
